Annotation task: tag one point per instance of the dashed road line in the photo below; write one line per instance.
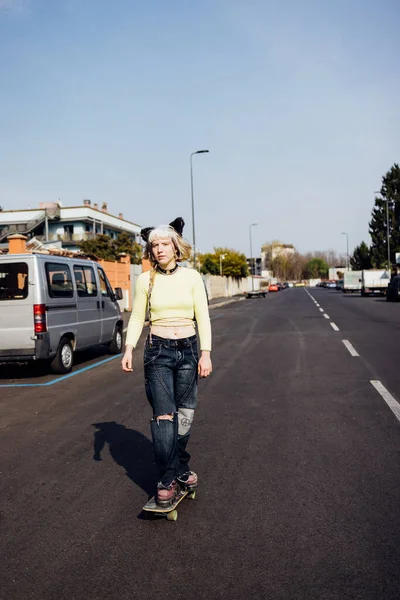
(334, 327)
(326, 316)
(321, 310)
(350, 348)
(388, 398)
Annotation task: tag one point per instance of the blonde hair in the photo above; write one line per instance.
(183, 249)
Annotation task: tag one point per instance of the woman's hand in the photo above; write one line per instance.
(127, 359)
(205, 365)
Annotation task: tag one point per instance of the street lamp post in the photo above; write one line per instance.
(387, 230)
(251, 256)
(347, 245)
(221, 258)
(191, 186)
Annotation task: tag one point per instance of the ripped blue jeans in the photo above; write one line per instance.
(170, 371)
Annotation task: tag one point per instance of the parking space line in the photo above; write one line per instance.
(388, 398)
(334, 327)
(350, 348)
(48, 383)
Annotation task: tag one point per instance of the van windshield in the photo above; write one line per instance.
(13, 281)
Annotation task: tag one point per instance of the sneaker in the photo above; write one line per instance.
(188, 480)
(166, 495)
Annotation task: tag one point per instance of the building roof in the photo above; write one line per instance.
(68, 213)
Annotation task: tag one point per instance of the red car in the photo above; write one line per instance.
(274, 287)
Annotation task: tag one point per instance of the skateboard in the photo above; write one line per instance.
(169, 511)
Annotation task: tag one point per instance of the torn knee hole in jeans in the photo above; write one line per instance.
(169, 417)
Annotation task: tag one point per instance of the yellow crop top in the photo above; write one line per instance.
(177, 297)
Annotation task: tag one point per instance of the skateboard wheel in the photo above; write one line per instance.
(192, 495)
(172, 516)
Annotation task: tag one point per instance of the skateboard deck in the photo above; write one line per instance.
(170, 512)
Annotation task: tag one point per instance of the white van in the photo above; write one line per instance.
(51, 306)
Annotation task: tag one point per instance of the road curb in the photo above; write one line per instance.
(225, 302)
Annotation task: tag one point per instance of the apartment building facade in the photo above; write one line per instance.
(52, 223)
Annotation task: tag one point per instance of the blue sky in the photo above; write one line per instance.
(298, 103)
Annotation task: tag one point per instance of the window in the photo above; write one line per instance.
(85, 281)
(104, 284)
(13, 281)
(59, 281)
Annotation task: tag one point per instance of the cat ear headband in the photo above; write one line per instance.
(178, 224)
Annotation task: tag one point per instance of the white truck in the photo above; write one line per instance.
(352, 281)
(374, 281)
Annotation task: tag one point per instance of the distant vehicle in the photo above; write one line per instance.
(256, 293)
(299, 284)
(51, 306)
(273, 287)
(352, 281)
(393, 290)
(286, 285)
(339, 284)
(331, 285)
(280, 286)
(374, 281)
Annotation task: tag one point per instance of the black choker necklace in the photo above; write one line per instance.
(167, 271)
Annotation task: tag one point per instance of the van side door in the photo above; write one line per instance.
(89, 306)
(110, 308)
(61, 304)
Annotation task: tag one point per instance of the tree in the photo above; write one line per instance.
(209, 264)
(315, 268)
(389, 199)
(125, 243)
(361, 258)
(234, 263)
(103, 246)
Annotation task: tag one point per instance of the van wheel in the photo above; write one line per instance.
(115, 346)
(64, 359)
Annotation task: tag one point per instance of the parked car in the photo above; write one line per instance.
(273, 287)
(393, 290)
(331, 285)
(51, 306)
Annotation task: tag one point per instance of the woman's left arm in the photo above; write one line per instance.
(204, 326)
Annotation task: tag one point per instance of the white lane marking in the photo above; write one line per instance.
(350, 348)
(334, 327)
(388, 398)
(326, 316)
(321, 309)
(316, 304)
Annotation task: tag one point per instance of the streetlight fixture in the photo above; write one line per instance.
(347, 254)
(251, 256)
(191, 185)
(221, 258)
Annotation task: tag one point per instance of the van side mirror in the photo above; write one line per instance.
(118, 293)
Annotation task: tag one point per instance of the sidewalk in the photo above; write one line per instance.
(216, 302)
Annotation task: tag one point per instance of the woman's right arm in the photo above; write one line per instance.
(136, 322)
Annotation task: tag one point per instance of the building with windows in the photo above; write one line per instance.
(270, 252)
(255, 266)
(52, 223)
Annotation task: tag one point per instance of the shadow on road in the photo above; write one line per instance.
(131, 450)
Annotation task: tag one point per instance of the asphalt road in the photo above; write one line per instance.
(297, 455)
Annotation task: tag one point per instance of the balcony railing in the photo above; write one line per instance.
(66, 237)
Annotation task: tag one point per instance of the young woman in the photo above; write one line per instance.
(175, 296)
